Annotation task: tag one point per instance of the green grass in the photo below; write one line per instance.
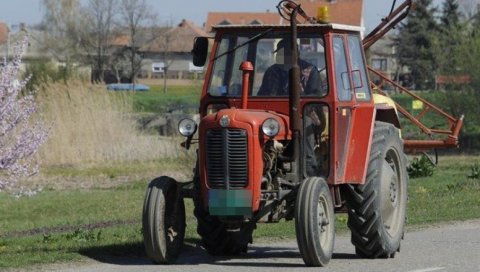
(121, 169)
(447, 195)
(155, 100)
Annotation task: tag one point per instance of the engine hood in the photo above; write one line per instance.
(238, 118)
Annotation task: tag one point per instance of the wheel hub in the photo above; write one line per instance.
(394, 190)
(171, 233)
(322, 218)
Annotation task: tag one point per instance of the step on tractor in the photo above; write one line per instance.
(292, 127)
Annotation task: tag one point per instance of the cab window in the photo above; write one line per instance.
(359, 76)
(342, 76)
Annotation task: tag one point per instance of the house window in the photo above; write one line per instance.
(379, 64)
(255, 22)
(157, 67)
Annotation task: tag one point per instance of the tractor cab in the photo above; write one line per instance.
(333, 93)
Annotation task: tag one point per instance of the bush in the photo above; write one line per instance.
(45, 72)
(422, 167)
(475, 172)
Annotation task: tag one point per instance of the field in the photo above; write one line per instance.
(97, 165)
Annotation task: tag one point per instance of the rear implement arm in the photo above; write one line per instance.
(449, 137)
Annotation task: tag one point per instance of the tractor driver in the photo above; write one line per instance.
(275, 80)
(275, 83)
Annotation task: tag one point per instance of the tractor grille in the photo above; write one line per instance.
(227, 166)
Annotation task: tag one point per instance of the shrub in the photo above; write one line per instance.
(44, 72)
(422, 167)
(475, 172)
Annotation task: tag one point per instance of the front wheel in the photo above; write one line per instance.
(315, 222)
(163, 220)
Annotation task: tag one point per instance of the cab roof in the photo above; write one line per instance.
(282, 27)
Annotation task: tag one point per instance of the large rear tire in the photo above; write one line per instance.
(163, 220)
(377, 209)
(315, 222)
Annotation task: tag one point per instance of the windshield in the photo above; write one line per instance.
(271, 58)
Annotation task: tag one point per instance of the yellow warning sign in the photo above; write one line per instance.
(417, 105)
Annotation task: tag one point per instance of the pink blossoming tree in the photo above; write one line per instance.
(20, 136)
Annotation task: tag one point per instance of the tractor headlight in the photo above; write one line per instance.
(270, 127)
(187, 127)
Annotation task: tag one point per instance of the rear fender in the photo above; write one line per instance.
(386, 110)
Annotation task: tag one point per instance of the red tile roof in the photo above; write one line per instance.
(3, 32)
(121, 40)
(347, 12)
(177, 39)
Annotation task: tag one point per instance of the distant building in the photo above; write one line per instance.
(349, 12)
(3, 32)
(171, 49)
(9, 37)
(382, 57)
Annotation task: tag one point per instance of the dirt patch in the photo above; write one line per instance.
(102, 181)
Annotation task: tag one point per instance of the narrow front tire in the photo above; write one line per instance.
(163, 220)
(315, 222)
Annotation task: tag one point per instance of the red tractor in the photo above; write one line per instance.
(290, 129)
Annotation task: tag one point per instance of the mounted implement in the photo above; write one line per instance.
(290, 129)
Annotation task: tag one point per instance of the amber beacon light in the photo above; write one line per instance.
(323, 15)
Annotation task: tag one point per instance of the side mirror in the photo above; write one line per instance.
(200, 51)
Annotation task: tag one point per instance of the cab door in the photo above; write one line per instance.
(354, 110)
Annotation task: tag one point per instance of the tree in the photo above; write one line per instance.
(96, 34)
(452, 35)
(450, 13)
(20, 137)
(60, 22)
(469, 7)
(416, 42)
(135, 15)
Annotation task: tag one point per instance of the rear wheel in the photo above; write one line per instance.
(315, 222)
(163, 220)
(377, 209)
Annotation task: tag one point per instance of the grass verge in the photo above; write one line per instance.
(446, 196)
(155, 100)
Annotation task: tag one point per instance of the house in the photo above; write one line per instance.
(170, 52)
(9, 37)
(3, 33)
(382, 57)
(349, 12)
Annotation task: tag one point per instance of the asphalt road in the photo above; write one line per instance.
(454, 247)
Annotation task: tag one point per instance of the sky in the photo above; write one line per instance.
(30, 11)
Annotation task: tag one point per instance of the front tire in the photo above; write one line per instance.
(315, 222)
(377, 209)
(163, 220)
